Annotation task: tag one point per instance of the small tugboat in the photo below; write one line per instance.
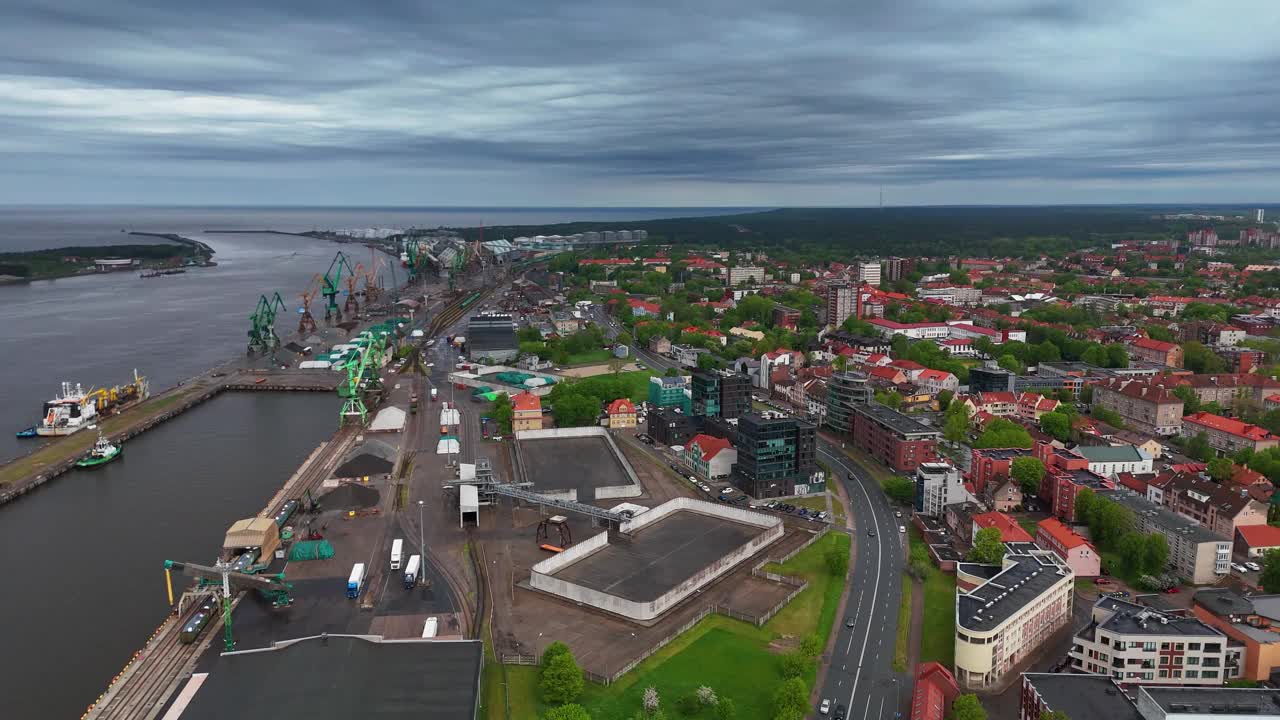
(102, 453)
(27, 433)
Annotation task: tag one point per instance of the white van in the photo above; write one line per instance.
(397, 551)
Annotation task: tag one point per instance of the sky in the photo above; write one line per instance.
(655, 103)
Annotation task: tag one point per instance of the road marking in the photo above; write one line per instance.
(876, 589)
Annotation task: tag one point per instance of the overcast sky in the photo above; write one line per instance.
(603, 102)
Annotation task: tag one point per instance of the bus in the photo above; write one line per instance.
(397, 550)
(355, 583)
(411, 571)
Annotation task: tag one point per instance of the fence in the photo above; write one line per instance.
(820, 534)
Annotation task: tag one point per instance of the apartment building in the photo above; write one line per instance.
(670, 392)
(1197, 554)
(1135, 644)
(1156, 351)
(746, 273)
(1094, 696)
(722, 393)
(1220, 507)
(1145, 405)
(845, 391)
(938, 485)
(1228, 435)
(893, 438)
(868, 271)
(1250, 621)
(842, 302)
(1006, 618)
(1225, 388)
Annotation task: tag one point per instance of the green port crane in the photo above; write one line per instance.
(333, 285)
(262, 330)
(225, 583)
(363, 378)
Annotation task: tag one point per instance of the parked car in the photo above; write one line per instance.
(871, 532)
(1172, 590)
(825, 707)
(1239, 568)
(1253, 566)
(898, 514)
(902, 528)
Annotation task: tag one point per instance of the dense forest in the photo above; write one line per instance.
(841, 232)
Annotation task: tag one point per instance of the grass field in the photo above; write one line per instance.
(904, 628)
(938, 638)
(1031, 525)
(589, 358)
(730, 656)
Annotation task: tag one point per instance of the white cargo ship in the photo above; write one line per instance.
(69, 412)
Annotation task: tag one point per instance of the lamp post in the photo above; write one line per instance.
(422, 545)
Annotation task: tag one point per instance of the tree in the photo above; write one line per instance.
(553, 651)
(576, 410)
(811, 645)
(987, 547)
(561, 680)
(1132, 549)
(707, 696)
(900, 489)
(944, 399)
(1011, 363)
(1198, 448)
(1190, 401)
(1221, 469)
(502, 413)
(572, 711)
(725, 709)
(794, 664)
(1001, 433)
(688, 704)
(649, 701)
(1117, 356)
(1056, 424)
(791, 699)
(1054, 715)
(1084, 505)
(1270, 578)
(1199, 359)
(889, 398)
(1028, 471)
(1155, 553)
(672, 372)
(837, 561)
(967, 707)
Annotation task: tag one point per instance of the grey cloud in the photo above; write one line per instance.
(754, 101)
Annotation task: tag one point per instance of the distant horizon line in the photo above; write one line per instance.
(1241, 204)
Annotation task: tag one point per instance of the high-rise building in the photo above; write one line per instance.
(896, 268)
(1262, 214)
(845, 390)
(720, 393)
(841, 302)
(869, 272)
(746, 273)
(774, 455)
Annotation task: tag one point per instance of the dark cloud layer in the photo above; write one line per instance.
(606, 102)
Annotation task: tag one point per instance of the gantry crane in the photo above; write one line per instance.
(362, 378)
(225, 583)
(333, 284)
(352, 306)
(307, 323)
(262, 331)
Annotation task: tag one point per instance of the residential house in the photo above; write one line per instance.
(659, 344)
(1137, 644)
(711, 458)
(526, 411)
(1156, 351)
(932, 692)
(642, 308)
(1077, 552)
(1253, 541)
(1227, 435)
(1010, 530)
(886, 375)
(1145, 405)
(622, 414)
(1003, 495)
(1000, 403)
(1031, 405)
(773, 360)
(935, 381)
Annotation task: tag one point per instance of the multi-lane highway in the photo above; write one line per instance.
(860, 675)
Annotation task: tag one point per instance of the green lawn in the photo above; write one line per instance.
(815, 502)
(1031, 525)
(638, 382)
(938, 638)
(590, 357)
(730, 656)
(904, 627)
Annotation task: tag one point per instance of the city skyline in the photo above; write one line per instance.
(605, 104)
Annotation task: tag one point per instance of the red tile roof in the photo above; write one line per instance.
(1063, 535)
(1010, 531)
(1229, 425)
(932, 692)
(939, 375)
(993, 398)
(1157, 345)
(526, 402)
(622, 406)
(709, 445)
(1260, 536)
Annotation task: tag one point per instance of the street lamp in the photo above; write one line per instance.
(422, 546)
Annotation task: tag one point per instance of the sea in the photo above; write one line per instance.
(83, 556)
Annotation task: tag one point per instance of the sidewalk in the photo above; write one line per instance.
(824, 664)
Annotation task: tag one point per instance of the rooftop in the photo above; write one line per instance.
(1260, 535)
(342, 676)
(1111, 453)
(1082, 696)
(1024, 578)
(1127, 618)
(1063, 535)
(895, 420)
(1229, 425)
(1169, 521)
(1010, 531)
(1214, 701)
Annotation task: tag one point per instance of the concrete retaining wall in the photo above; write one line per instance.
(542, 576)
(608, 492)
